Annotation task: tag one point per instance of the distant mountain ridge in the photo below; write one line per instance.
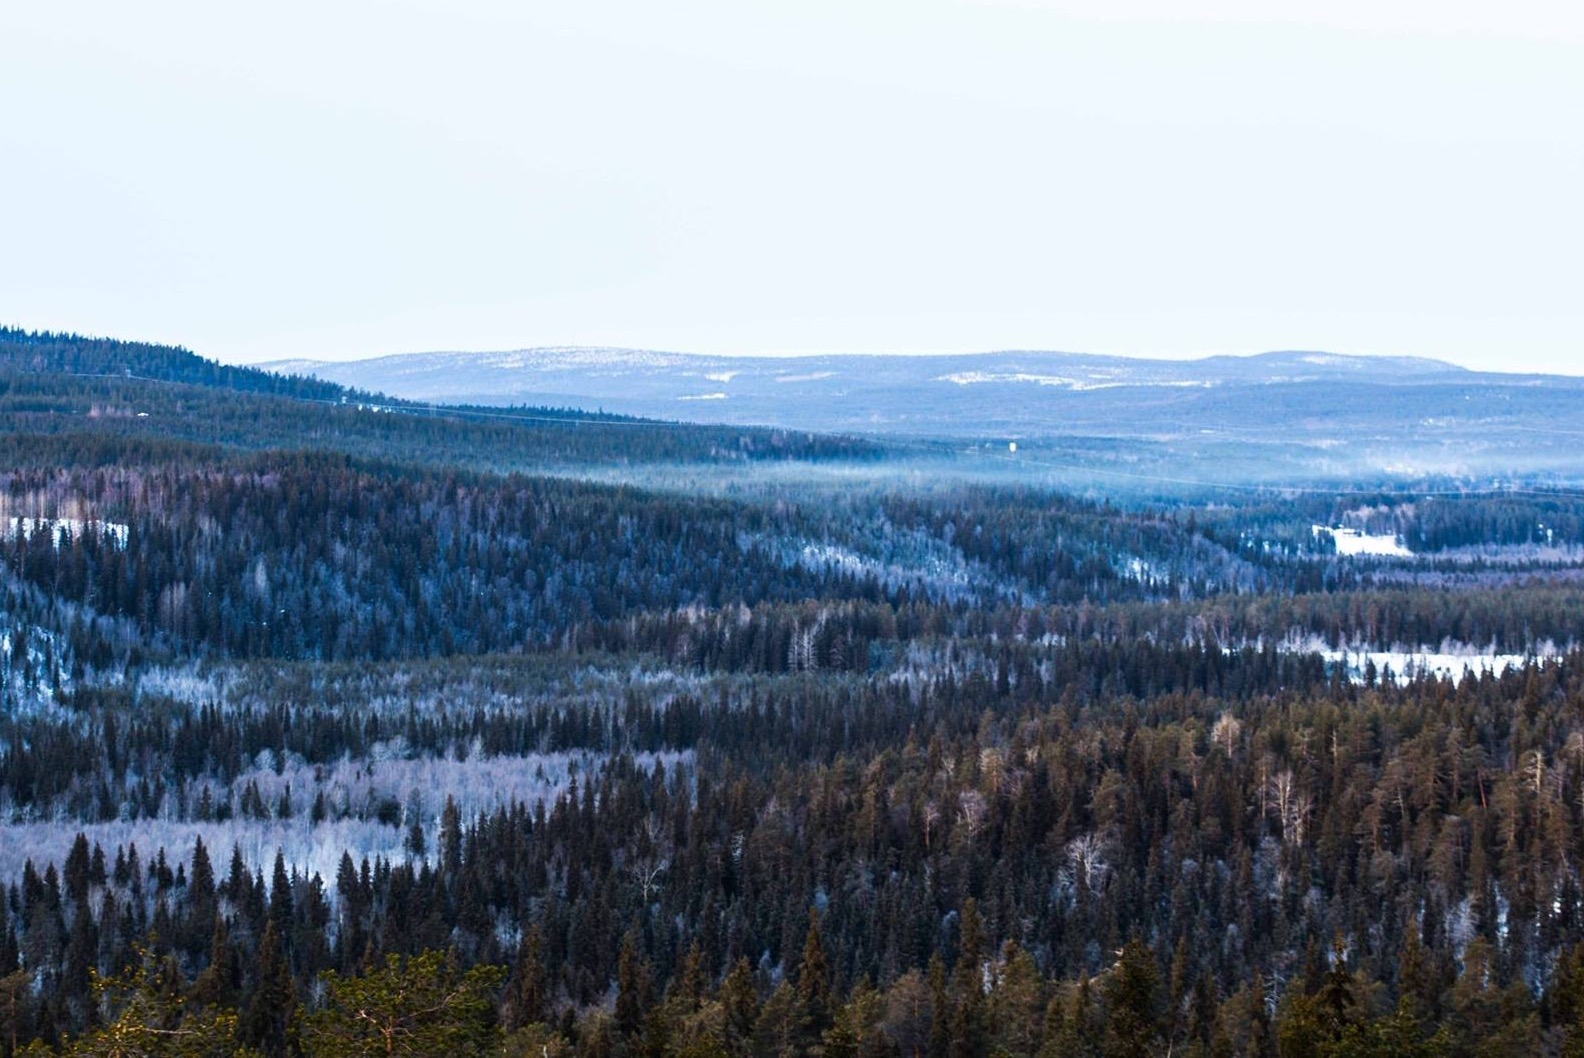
(1016, 391)
(116, 397)
(1315, 413)
(1282, 416)
(437, 369)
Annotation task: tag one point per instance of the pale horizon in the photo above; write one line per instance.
(354, 179)
(792, 354)
(778, 354)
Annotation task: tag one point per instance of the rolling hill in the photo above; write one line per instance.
(1314, 414)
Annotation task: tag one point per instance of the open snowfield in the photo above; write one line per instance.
(1354, 542)
(354, 792)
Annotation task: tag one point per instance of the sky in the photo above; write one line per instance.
(335, 179)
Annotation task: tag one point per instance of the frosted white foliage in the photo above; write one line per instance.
(1226, 733)
(1086, 859)
(478, 784)
(894, 556)
(308, 849)
(27, 682)
(354, 792)
(187, 684)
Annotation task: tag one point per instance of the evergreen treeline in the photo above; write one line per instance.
(317, 556)
(1328, 870)
(61, 387)
(46, 352)
(327, 729)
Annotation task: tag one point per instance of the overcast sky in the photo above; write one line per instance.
(340, 179)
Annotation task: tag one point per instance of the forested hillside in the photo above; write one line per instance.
(44, 352)
(106, 400)
(331, 725)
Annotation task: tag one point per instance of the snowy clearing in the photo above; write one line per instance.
(59, 528)
(1353, 542)
(413, 790)
(1405, 665)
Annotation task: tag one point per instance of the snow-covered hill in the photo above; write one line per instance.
(1393, 413)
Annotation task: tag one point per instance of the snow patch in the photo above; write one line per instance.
(1077, 385)
(973, 378)
(417, 788)
(1354, 542)
(1405, 665)
(1450, 659)
(58, 528)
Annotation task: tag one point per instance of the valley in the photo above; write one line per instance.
(758, 739)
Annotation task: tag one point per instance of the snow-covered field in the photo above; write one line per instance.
(58, 528)
(1353, 542)
(422, 785)
(1406, 664)
(1446, 659)
(307, 848)
(354, 794)
(1078, 385)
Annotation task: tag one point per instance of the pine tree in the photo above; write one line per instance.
(969, 1031)
(940, 1038)
(740, 1002)
(1077, 1032)
(450, 840)
(1337, 997)
(218, 984)
(1132, 1002)
(267, 1019)
(1417, 988)
(1017, 1003)
(280, 896)
(815, 1005)
(527, 999)
(632, 989)
(690, 983)
(909, 1014)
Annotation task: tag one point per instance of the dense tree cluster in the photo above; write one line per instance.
(1555, 521)
(312, 557)
(333, 731)
(74, 393)
(47, 352)
(1338, 864)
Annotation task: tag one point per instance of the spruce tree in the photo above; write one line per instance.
(267, 1019)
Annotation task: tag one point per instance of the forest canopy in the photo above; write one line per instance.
(331, 725)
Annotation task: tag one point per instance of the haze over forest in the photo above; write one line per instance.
(855, 612)
(600, 734)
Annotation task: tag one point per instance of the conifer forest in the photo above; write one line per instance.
(333, 724)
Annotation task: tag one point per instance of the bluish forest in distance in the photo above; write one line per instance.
(336, 723)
